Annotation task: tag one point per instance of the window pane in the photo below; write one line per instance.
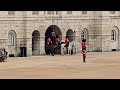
(10, 39)
(112, 12)
(69, 12)
(35, 13)
(84, 12)
(83, 35)
(50, 12)
(113, 35)
(56, 12)
(44, 12)
(11, 13)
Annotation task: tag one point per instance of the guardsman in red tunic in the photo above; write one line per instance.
(84, 44)
(57, 41)
(84, 54)
(66, 41)
(49, 41)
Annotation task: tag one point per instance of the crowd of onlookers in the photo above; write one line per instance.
(3, 53)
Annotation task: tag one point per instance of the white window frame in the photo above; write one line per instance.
(50, 12)
(57, 12)
(112, 12)
(10, 38)
(11, 12)
(35, 12)
(84, 12)
(113, 35)
(44, 12)
(69, 12)
(83, 35)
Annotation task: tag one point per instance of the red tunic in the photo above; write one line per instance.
(66, 41)
(57, 40)
(49, 41)
(84, 44)
(84, 52)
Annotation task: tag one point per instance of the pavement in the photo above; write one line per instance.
(99, 65)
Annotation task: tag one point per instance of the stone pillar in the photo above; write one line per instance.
(29, 46)
(42, 45)
(78, 44)
(118, 40)
(98, 31)
(63, 34)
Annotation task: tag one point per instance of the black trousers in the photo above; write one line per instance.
(84, 57)
(52, 50)
(83, 48)
(21, 52)
(24, 52)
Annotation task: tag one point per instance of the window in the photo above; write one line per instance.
(83, 35)
(56, 12)
(69, 12)
(50, 12)
(44, 13)
(84, 12)
(112, 12)
(11, 13)
(113, 35)
(10, 38)
(35, 12)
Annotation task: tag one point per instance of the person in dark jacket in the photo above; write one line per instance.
(25, 50)
(21, 50)
(57, 41)
(67, 43)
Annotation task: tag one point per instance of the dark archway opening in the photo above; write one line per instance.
(70, 35)
(49, 34)
(36, 43)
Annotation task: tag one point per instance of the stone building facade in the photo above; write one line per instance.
(100, 28)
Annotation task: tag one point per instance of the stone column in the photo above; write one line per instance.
(42, 45)
(98, 31)
(29, 46)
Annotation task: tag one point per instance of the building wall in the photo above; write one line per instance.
(64, 22)
(110, 22)
(8, 23)
(98, 25)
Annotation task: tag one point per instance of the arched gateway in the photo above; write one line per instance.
(48, 34)
(36, 43)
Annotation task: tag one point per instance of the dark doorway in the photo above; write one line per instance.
(49, 34)
(36, 43)
(70, 35)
